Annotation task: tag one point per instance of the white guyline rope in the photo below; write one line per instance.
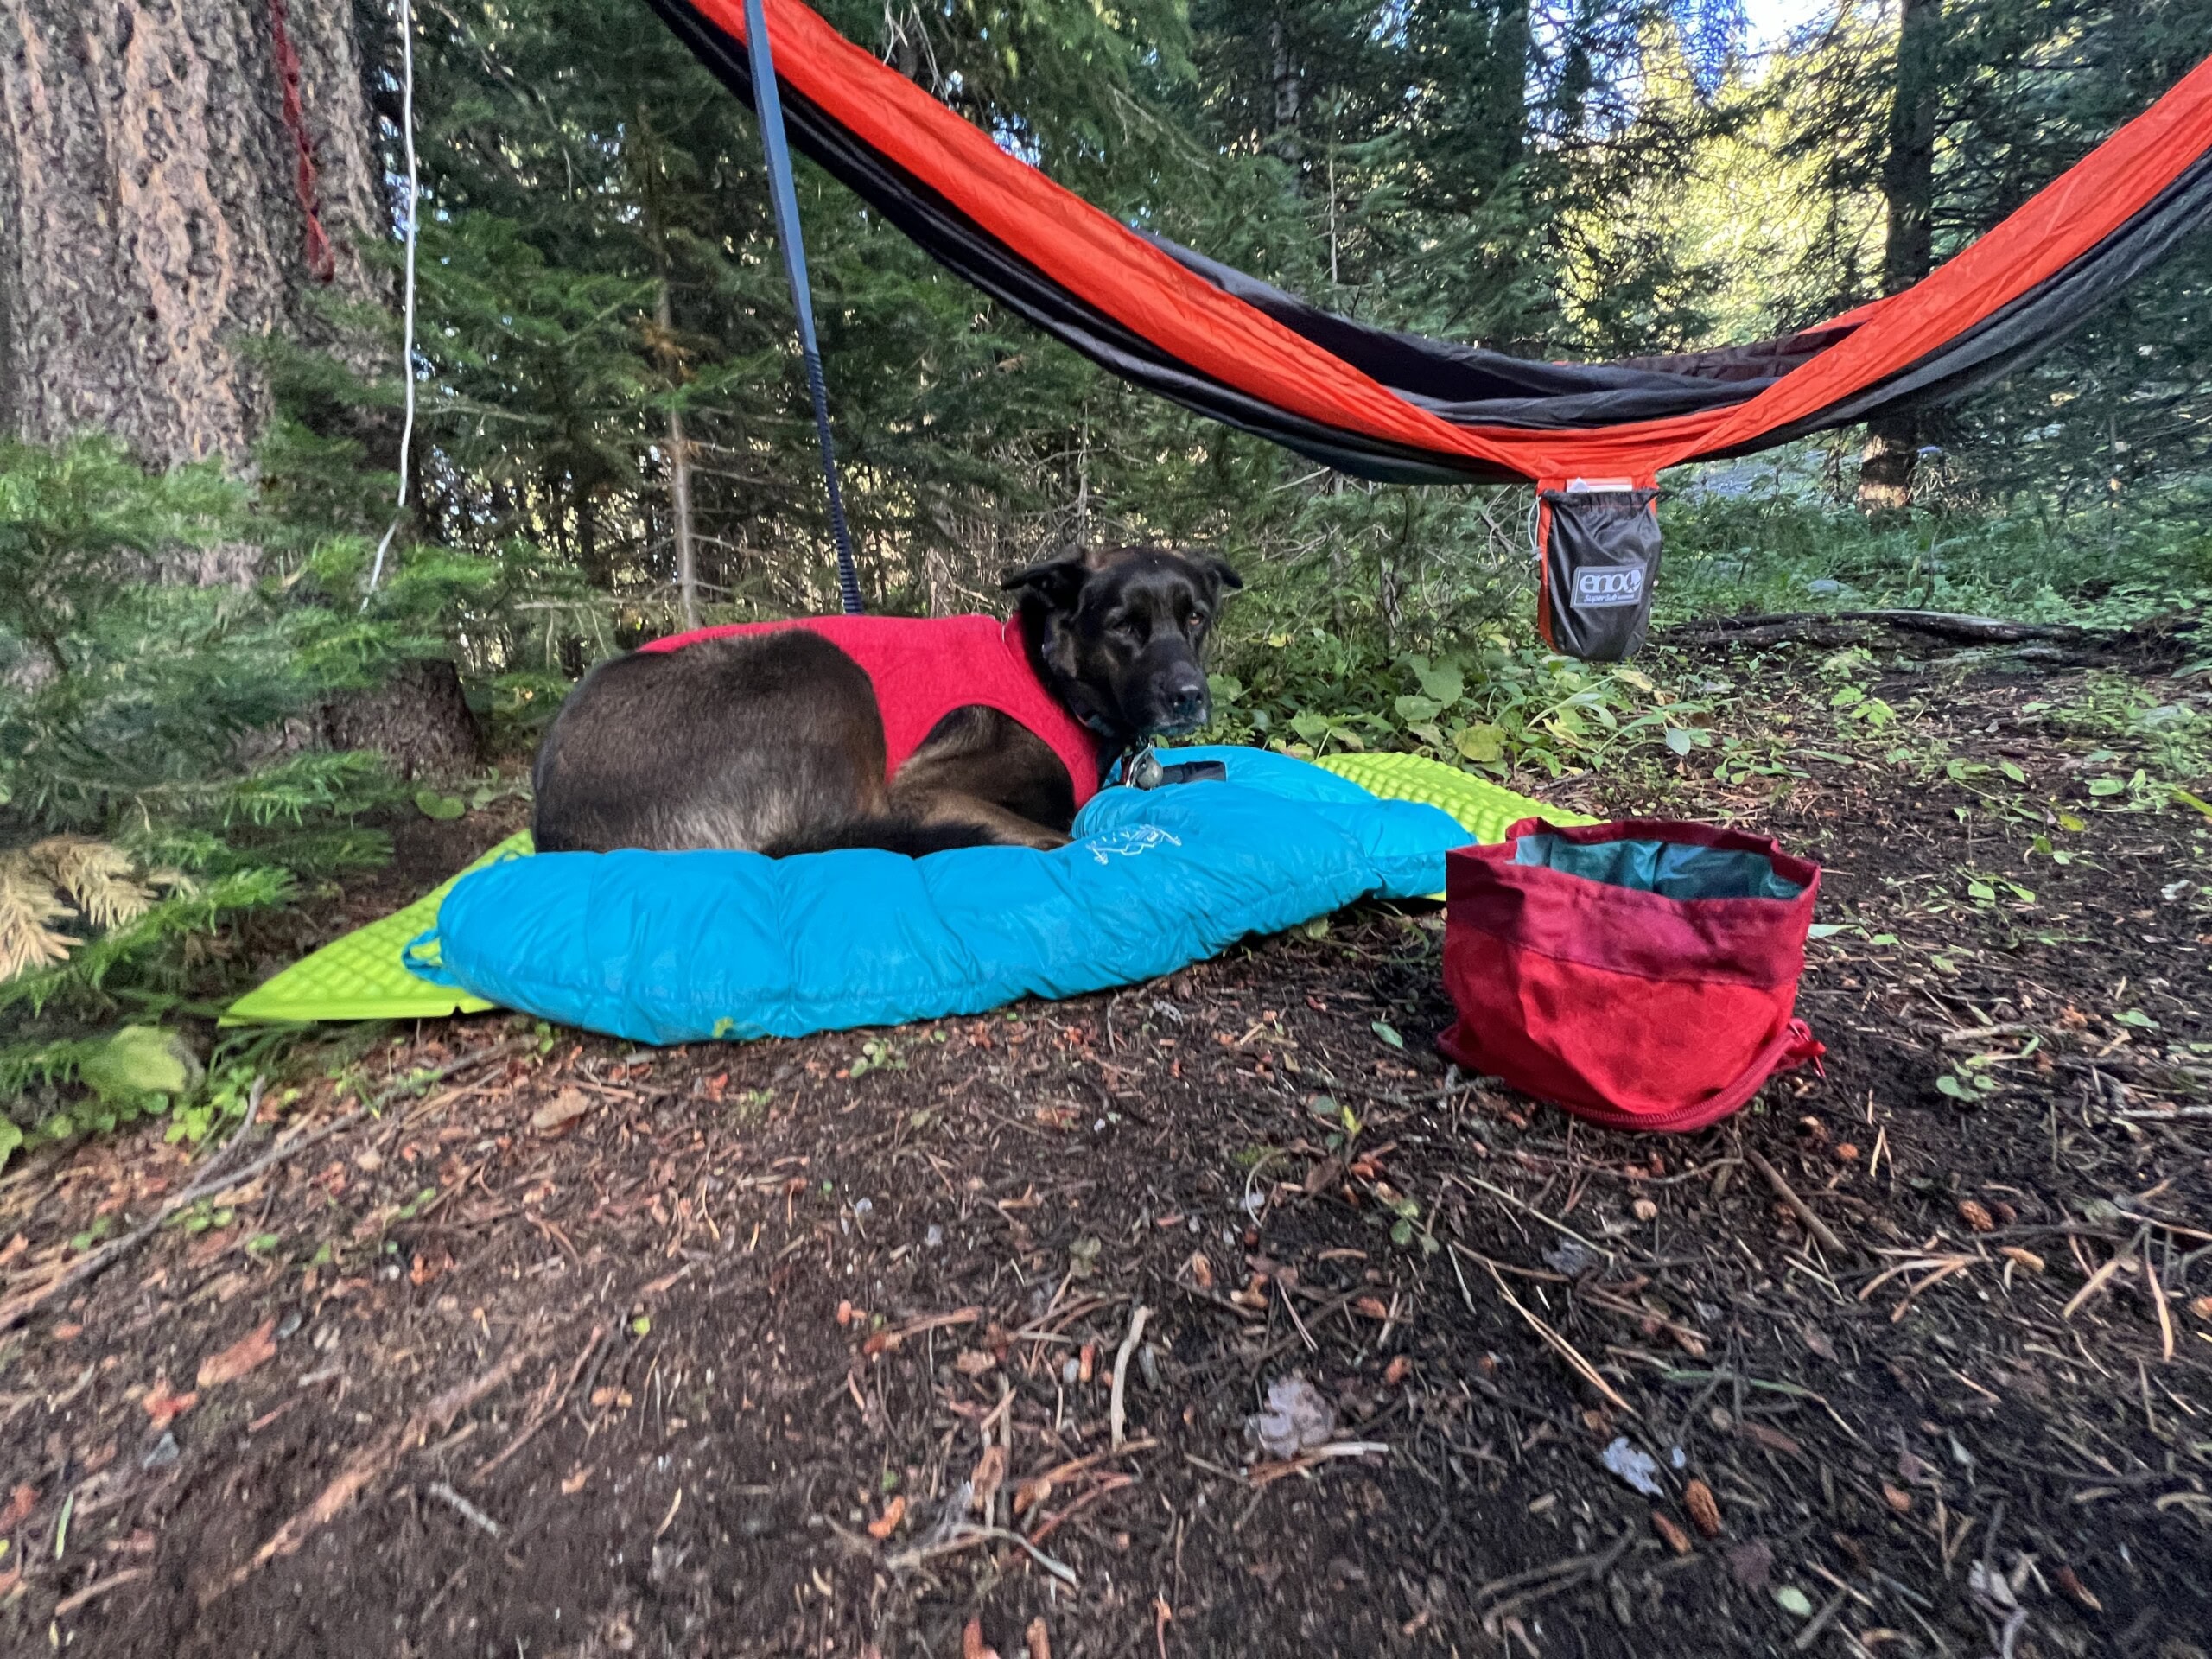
(406, 12)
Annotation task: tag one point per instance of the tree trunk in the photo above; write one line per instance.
(1288, 88)
(1909, 248)
(418, 718)
(1505, 87)
(150, 188)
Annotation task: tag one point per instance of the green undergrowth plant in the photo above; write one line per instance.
(1490, 707)
(1774, 548)
(165, 649)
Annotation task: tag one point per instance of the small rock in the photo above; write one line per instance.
(1751, 1564)
(1793, 1600)
(1570, 1256)
(560, 1112)
(1677, 1539)
(1705, 1509)
(163, 1452)
(2070, 1582)
(1297, 1415)
(1633, 1465)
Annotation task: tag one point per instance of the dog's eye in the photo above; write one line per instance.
(1126, 627)
(1198, 619)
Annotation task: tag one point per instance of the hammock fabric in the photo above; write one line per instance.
(1401, 407)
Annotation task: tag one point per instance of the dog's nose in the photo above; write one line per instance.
(1186, 701)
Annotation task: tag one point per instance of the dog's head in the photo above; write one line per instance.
(1119, 634)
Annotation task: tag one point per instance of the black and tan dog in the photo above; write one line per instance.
(907, 734)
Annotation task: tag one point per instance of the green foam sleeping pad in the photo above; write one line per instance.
(358, 975)
(1486, 810)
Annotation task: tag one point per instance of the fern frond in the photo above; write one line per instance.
(29, 908)
(98, 875)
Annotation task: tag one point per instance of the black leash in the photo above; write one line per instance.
(768, 106)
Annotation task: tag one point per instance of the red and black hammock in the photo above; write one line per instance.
(1401, 407)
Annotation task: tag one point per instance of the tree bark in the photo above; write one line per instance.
(1505, 86)
(1885, 470)
(153, 227)
(418, 720)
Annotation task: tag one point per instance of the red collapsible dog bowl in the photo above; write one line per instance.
(1642, 974)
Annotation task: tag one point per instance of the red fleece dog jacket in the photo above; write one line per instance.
(924, 668)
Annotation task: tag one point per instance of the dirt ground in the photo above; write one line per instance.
(529, 1344)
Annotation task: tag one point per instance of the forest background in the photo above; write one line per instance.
(226, 661)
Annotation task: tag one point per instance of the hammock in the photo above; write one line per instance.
(1401, 407)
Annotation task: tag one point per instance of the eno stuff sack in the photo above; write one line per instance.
(1642, 974)
(1598, 554)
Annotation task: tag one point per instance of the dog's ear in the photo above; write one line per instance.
(1056, 581)
(1225, 577)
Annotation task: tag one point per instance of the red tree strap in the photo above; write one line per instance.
(322, 262)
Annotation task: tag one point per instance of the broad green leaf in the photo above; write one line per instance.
(1417, 711)
(2012, 771)
(2179, 794)
(1981, 890)
(1387, 1033)
(441, 807)
(140, 1061)
(10, 1138)
(2068, 822)
(2106, 786)
(1311, 726)
(1681, 739)
(1444, 686)
(1795, 1600)
(1224, 688)
(1481, 744)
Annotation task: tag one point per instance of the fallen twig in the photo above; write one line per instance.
(2158, 1301)
(70, 1604)
(1266, 1474)
(372, 1464)
(1114, 1413)
(1540, 1584)
(1029, 1493)
(1942, 625)
(94, 1262)
(1589, 1244)
(2103, 1275)
(968, 1538)
(1798, 1207)
(538, 1420)
(1562, 1347)
(214, 1179)
(461, 1507)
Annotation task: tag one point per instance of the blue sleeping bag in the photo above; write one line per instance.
(680, 947)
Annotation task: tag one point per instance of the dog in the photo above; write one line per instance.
(956, 732)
